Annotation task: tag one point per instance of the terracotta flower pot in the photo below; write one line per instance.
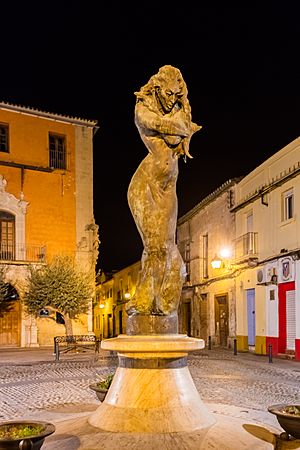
(100, 392)
(290, 422)
(29, 442)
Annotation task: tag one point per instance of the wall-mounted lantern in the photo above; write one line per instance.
(216, 262)
(127, 295)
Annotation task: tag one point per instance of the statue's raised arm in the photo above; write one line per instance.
(163, 119)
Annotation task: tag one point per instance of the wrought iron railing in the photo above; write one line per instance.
(246, 245)
(22, 252)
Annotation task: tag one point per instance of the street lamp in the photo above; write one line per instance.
(216, 262)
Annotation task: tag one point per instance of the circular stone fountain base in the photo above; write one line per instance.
(152, 390)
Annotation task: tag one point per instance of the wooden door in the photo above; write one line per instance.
(221, 319)
(10, 326)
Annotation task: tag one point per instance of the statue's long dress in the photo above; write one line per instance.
(153, 202)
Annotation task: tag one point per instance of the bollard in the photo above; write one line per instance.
(234, 346)
(270, 353)
(209, 342)
(56, 351)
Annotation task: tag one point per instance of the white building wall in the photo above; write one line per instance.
(261, 193)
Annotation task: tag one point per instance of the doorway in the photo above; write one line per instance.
(251, 317)
(186, 318)
(287, 317)
(10, 320)
(221, 319)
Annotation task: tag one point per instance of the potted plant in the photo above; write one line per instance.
(24, 434)
(288, 417)
(101, 387)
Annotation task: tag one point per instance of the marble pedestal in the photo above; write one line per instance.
(152, 390)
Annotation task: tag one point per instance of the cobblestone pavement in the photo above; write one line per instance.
(241, 386)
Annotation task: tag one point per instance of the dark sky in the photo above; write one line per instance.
(86, 59)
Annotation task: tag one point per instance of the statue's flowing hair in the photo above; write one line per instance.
(165, 74)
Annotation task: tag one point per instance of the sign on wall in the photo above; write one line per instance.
(286, 271)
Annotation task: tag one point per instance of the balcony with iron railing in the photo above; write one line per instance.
(246, 246)
(22, 253)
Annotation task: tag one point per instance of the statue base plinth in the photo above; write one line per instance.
(151, 324)
(152, 390)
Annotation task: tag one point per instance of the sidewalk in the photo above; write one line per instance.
(36, 355)
(28, 356)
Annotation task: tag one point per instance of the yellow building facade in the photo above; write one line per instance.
(46, 208)
(113, 291)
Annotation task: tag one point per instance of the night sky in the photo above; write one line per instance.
(241, 65)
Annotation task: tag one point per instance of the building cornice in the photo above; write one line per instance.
(264, 189)
(47, 115)
(210, 198)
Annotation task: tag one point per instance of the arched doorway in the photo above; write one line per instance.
(10, 319)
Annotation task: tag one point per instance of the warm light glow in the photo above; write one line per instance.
(216, 262)
(225, 252)
(102, 305)
(127, 295)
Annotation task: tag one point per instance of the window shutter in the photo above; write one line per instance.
(290, 320)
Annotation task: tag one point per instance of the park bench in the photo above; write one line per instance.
(75, 343)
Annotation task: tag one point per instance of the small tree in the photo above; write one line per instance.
(59, 286)
(5, 299)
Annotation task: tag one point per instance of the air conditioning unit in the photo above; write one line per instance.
(261, 275)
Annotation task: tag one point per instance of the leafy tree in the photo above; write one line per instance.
(5, 291)
(59, 286)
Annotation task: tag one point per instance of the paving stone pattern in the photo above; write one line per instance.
(25, 389)
(224, 381)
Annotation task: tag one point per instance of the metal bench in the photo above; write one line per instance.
(75, 343)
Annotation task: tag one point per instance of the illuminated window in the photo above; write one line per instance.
(4, 147)
(57, 151)
(287, 205)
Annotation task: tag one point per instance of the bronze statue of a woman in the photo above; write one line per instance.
(163, 119)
